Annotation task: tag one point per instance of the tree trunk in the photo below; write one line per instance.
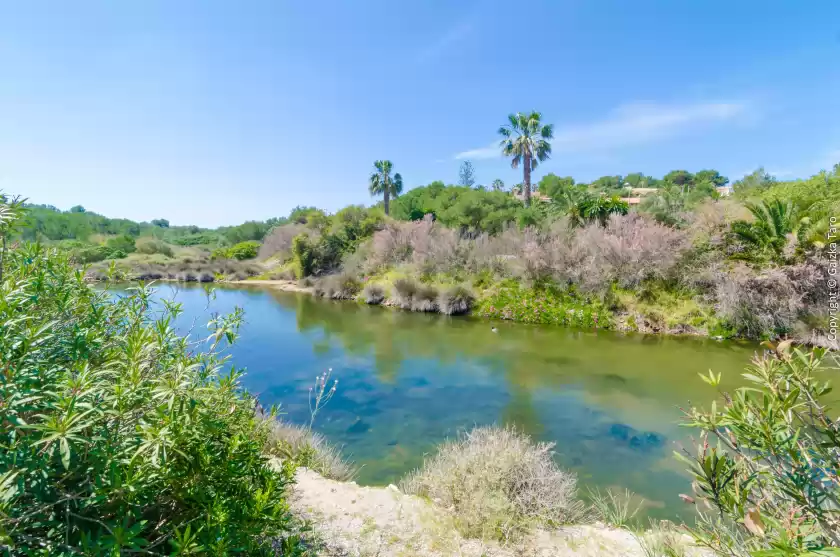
(527, 184)
(387, 201)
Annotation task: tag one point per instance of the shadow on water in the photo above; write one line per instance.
(407, 381)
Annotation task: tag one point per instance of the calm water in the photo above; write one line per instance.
(407, 381)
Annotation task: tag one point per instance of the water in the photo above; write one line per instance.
(407, 381)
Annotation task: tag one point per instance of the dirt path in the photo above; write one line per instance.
(382, 522)
(287, 285)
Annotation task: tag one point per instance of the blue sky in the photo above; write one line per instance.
(212, 113)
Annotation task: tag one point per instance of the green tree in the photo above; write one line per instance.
(767, 235)
(466, 174)
(77, 209)
(161, 223)
(682, 178)
(608, 184)
(712, 176)
(555, 186)
(595, 208)
(526, 140)
(382, 183)
(497, 185)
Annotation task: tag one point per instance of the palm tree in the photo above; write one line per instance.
(382, 183)
(774, 223)
(525, 139)
(595, 208)
(498, 185)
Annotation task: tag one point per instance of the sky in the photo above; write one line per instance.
(216, 112)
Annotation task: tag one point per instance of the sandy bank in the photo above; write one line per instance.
(359, 521)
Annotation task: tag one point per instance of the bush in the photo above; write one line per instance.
(152, 246)
(240, 251)
(373, 294)
(308, 449)
(117, 436)
(766, 465)
(425, 298)
(338, 287)
(93, 254)
(124, 243)
(455, 300)
(278, 242)
(403, 292)
(499, 482)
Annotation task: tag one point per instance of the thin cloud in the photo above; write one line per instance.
(630, 124)
(445, 42)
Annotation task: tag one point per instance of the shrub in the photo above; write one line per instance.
(278, 242)
(499, 482)
(766, 464)
(240, 251)
(455, 300)
(93, 254)
(124, 243)
(304, 256)
(403, 292)
(548, 306)
(151, 246)
(308, 449)
(373, 294)
(425, 298)
(119, 437)
(340, 287)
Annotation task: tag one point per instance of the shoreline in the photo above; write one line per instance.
(679, 331)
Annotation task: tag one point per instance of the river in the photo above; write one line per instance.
(407, 381)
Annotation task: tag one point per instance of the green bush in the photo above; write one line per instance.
(117, 437)
(766, 464)
(152, 246)
(122, 243)
(93, 254)
(548, 306)
(240, 251)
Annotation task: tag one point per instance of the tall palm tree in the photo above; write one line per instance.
(498, 185)
(382, 183)
(525, 139)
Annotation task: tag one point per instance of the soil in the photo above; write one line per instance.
(351, 520)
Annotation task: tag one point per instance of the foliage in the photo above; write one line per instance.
(459, 207)
(526, 140)
(119, 436)
(768, 235)
(455, 300)
(373, 294)
(766, 465)
(466, 174)
(124, 243)
(615, 508)
(499, 482)
(308, 449)
(548, 306)
(240, 251)
(382, 183)
(595, 208)
(151, 246)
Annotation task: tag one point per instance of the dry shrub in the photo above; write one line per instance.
(152, 246)
(373, 294)
(278, 242)
(403, 292)
(632, 249)
(775, 302)
(455, 300)
(425, 299)
(308, 449)
(343, 286)
(499, 484)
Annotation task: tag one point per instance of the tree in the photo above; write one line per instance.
(553, 185)
(608, 183)
(497, 185)
(595, 208)
(77, 209)
(466, 175)
(712, 176)
(382, 183)
(682, 178)
(525, 139)
(768, 234)
(161, 223)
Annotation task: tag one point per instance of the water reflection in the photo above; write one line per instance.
(407, 381)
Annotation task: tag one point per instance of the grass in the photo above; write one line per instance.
(615, 508)
(662, 309)
(662, 540)
(499, 484)
(308, 449)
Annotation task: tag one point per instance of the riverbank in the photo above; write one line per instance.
(522, 305)
(349, 519)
